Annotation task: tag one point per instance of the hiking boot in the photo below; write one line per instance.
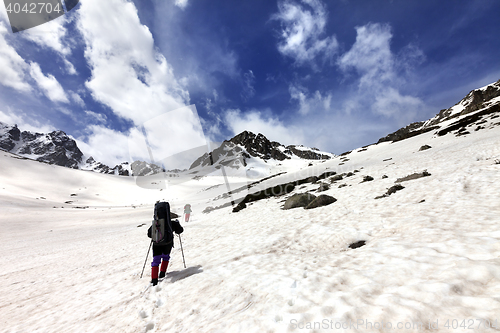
(154, 275)
(163, 269)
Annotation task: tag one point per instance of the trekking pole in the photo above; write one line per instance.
(180, 240)
(150, 244)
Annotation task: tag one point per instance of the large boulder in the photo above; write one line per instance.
(299, 200)
(322, 200)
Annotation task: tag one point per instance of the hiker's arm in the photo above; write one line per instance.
(177, 227)
(149, 232)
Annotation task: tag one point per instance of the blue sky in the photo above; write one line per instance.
(335, 75)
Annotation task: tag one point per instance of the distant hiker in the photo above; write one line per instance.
(161, 233)
(187, 212)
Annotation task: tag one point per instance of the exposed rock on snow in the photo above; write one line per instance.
(336, 178)
(357, 244)
(299, 200)
(320, 201)
(367, 179)
(413, 176)
(391, 190)
(323, 187)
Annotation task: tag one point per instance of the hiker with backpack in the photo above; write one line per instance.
(161, 233)
(187, 212)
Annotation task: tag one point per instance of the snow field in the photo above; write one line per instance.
(263, 268)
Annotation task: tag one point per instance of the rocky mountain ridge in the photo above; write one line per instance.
(471, 109)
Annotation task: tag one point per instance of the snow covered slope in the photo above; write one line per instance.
(431, 253)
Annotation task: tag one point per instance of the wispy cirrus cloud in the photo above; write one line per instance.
(248, 85)
(371, 55)
(310, 103)
(302, 27)
(98, 117)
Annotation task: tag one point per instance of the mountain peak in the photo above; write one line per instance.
(247, 145)
(54, 148)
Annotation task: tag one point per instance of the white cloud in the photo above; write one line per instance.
(371, 55)
(380, 74)
(257, 122)
(173, 133)
(70, 69)
(182, 4)
(98, 145)
(50, 35)
(302, 27)
(12, 65)
(49, 84)
(128, 74)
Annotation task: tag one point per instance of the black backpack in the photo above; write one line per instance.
(161, 231)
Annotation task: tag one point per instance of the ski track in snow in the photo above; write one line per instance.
(263, 268)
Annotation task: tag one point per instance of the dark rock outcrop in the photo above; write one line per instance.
(320, 201)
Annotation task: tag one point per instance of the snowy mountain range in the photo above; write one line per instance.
(60, 149)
